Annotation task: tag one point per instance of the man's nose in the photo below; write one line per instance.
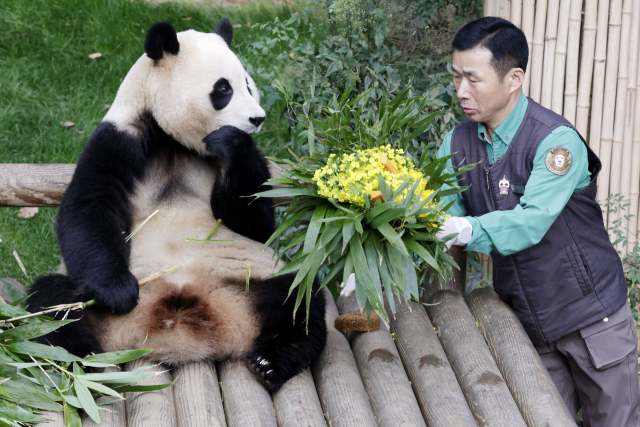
(462, 90)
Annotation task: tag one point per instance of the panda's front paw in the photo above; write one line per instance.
(119, 294)
(227, 141)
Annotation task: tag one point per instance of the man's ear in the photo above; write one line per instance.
(516, 78)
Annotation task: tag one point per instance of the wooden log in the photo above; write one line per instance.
(432, 379)
(516, 13)
(587, 52)
(197, 396)
(531, 386)
(56, 419)
(112, 415)
(528, 12)
(152, 408)
(33, 184)
(43, 185)
(609, 102)
(342, 395)
(384, 378)
(297, 403)
(626, 123)
(482, 384)
(238, 385)
(550, 39)
(573, 63)
(537, 55)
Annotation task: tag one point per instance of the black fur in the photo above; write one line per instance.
(244, 169)
(75, 337)
(284, 347)
(161, 38)
(221, 94)
(225, 30)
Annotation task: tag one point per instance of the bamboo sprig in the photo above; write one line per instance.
(78, 306)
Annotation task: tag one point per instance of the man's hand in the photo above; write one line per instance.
(456, 224)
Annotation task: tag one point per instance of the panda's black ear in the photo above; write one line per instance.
(225, 30)
(161, 38)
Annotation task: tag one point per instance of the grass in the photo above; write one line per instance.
(46, 76)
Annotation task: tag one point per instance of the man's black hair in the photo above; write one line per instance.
(506, 42)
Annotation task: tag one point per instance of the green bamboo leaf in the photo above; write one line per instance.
(8, 371)
(289, 192)
(13, 291)
(410, 279)
(395, 265)
(364, 276)
(42, 351)
(99, 388)
(385, 275)
(314, 228)
(72, 400)
(422, 126)
(71, 417)
(142, 388)
(33, 330)
(116, 357)
(284, 226)
(336, 268)
(348, 229)
(88, 404)
(21, 416)
(373, 260)
(377, 210)
(389, 233)
(387, 216)
(30, 395)
(421, 252)
(348, 267)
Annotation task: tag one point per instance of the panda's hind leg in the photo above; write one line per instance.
(55, 289)
(285, 348)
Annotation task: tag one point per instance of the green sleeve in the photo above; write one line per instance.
(457, 209)
(545, 196)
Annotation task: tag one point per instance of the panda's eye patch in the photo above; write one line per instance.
(221, 94)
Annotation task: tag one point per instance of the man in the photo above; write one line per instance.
(531, 205)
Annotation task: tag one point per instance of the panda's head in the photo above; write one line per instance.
(192, 84)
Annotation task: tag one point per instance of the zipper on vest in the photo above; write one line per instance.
(524, 290)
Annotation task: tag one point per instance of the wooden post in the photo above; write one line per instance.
(238, 384)
(587, 52)
(297, 404)
(342, 395)
(151, 408)
(635, 172)
(627, 113)
(197, 396)
(516, 13)
(560, 60)
(609, 102)
(531, 386)
(573, 53)
(432, 379)
(550, 38)
(33, 184)
(56, 419)
(537, 56)
(528, 12)
(384, 378)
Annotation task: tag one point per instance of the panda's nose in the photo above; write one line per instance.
(256, 121)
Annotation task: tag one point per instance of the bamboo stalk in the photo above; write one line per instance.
(528, 12)
(620, 107)
(537, 56)
(628, 116)
(560, 60)
(635, 171)
(573, 54)
(516, 13)
(506, 9)
(587, 51)
(550, 40)
(608, 104)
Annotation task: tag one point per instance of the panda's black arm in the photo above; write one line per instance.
(243, 171)
(95, 217)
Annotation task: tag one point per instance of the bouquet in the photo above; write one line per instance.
(362, 201)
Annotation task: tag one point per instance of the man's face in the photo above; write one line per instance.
(478, 86)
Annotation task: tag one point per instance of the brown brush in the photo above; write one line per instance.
(357, 321)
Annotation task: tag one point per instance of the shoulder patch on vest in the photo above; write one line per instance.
(558, 160)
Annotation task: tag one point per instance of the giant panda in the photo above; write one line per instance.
(177, 140)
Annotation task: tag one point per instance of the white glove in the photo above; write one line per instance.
(456, 224)
(349, 287)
